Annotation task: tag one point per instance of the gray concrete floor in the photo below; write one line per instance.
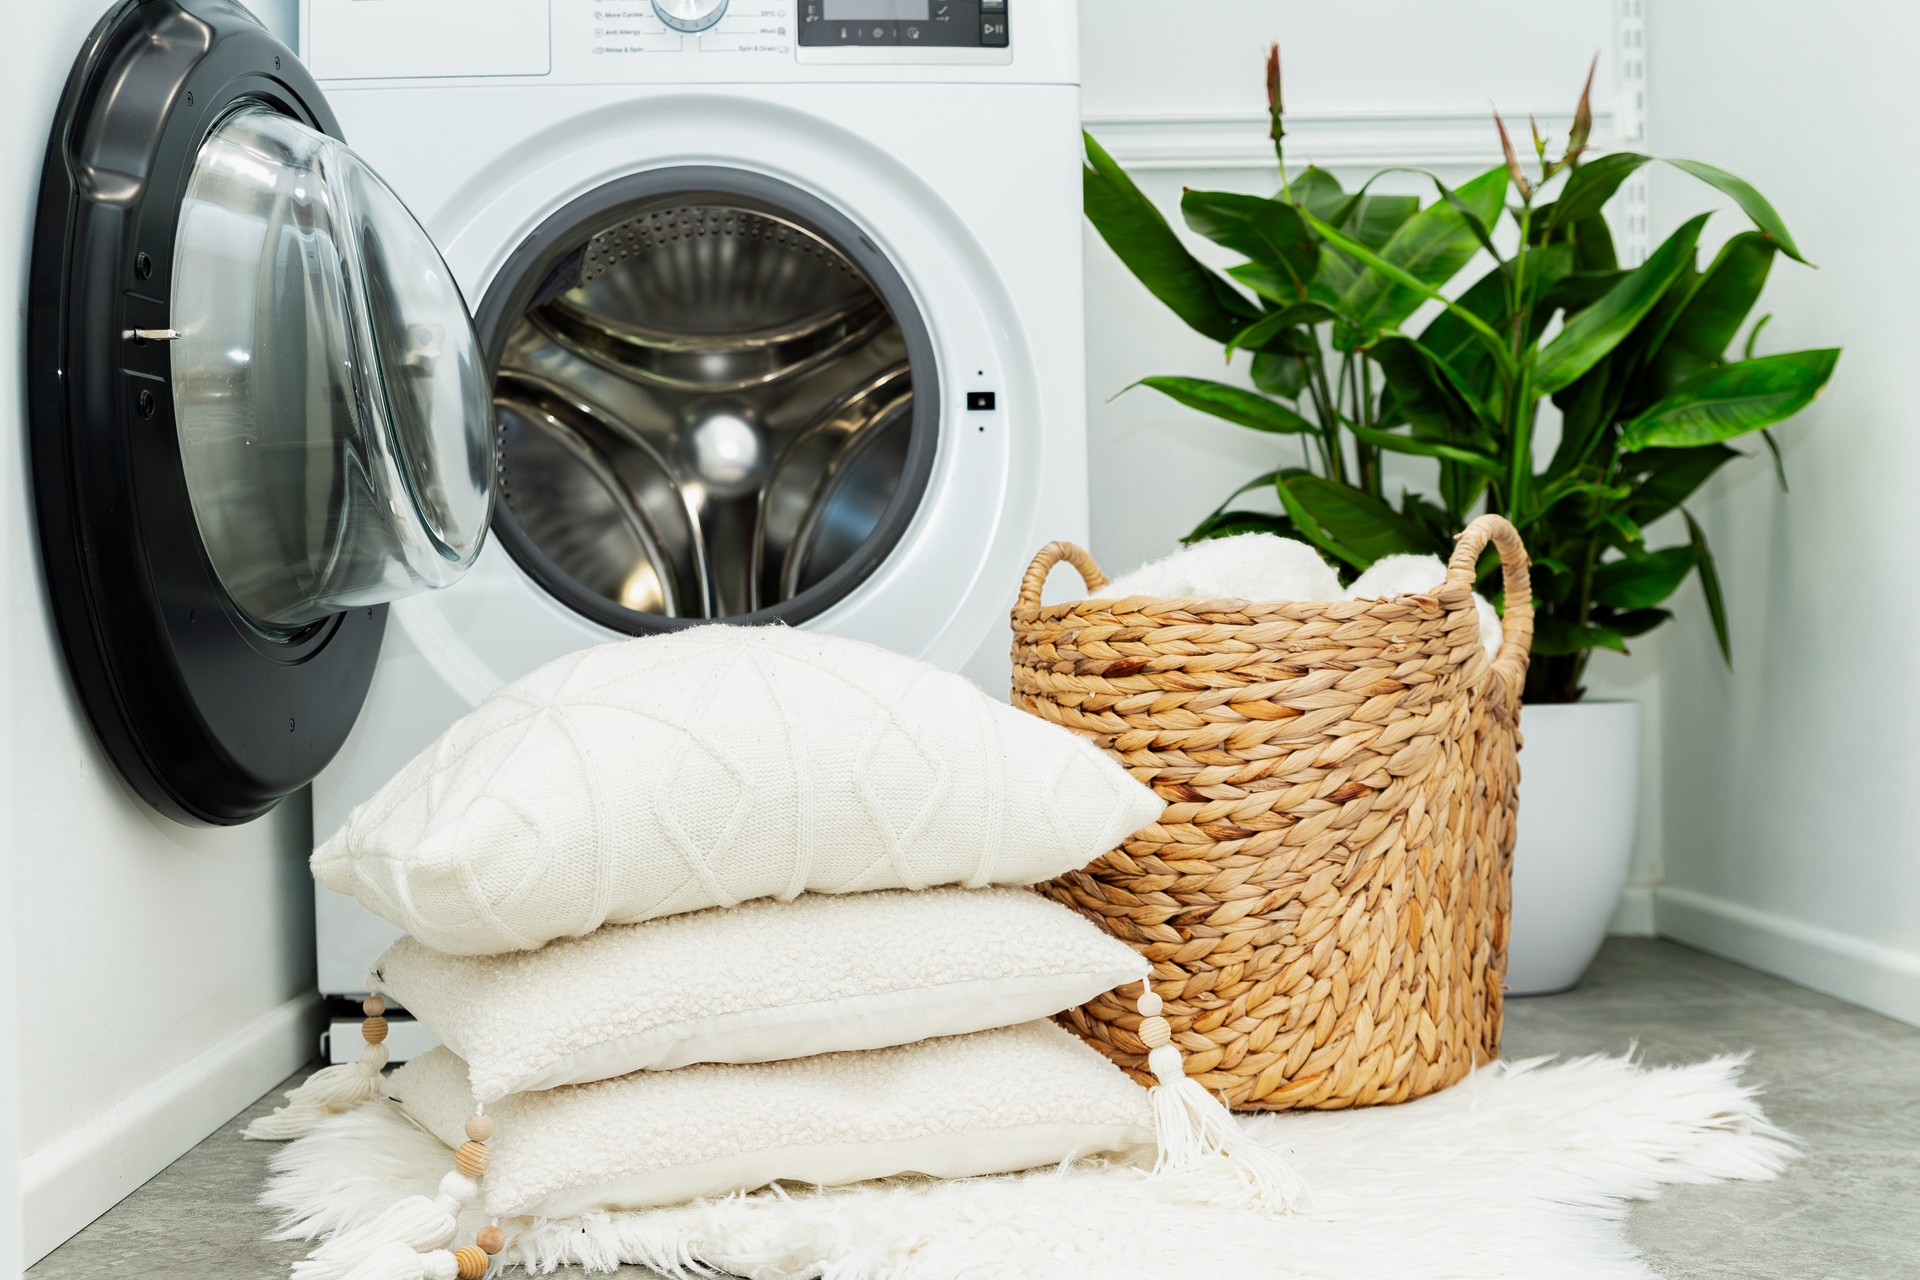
(1846, 1081)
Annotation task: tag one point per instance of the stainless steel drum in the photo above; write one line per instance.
(705, 411)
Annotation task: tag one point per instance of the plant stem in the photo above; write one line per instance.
(1519, 407)
(1329, 421)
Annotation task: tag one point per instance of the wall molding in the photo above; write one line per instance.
(1870, 974)
(1239, 140)
(87, 1170)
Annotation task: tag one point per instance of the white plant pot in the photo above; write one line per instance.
(1579, 807)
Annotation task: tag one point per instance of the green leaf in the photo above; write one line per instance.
(1710, 587)
(1640, 582)
(1593, 245)
(1310, 528)
(1453, 343)
(1665, 478)
(1429, 248)
(1751, 202)
(1713, 313)
(1279, 374)
(1353, 524)
(1268, 231)
(1354, 249)
(1224, 524)
(1424, 391)
(1590, 186)
(1637, 622)
(1267, 283)
(1234, 404)
(1220, 512)
(1151, 250)
(1375, 218)
(1258, 334)
(1626, 533)
(1779, 462)
(1425, 448)
(1554, 636)
(1590, 334)
(1732, 399)
(1586, 411)
(1316, 191)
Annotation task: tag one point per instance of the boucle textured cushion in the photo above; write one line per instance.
(714, 766)
(758, 982)
(990, 1102)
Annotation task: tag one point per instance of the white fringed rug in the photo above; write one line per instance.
(1523, 1170)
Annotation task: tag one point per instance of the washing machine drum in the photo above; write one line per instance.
(717, 402)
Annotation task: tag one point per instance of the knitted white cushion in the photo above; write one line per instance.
(991, 1102)
(714, 766)
(755, 983)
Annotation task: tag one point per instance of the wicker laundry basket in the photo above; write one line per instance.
(1325, 899)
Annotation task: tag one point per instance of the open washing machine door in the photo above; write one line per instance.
(259, 409)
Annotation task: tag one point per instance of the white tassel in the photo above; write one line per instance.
(1197, 1135)
(416, 1224)
(327, 1092)
(398, 1262)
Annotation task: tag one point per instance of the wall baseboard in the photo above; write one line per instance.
(1634, 917)
(1869, 974)
(86, 1171)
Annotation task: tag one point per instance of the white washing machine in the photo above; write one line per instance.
(781, 302)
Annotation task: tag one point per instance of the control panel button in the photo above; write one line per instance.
(993, 6)
(690, 15)
(993, 32)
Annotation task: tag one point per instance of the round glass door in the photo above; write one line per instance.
(329, 392)
(718, 404)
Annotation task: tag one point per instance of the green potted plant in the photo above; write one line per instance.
(1405, 348)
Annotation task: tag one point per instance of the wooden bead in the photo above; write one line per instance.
(1155, 1032)
(472, 1158)
(1149, 1005)
(479, 1128)
(374, 1030)
(373, 1006)
(472, 1260)
(490, 1239)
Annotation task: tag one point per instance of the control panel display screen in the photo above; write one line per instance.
(906, 24)
(886, 10)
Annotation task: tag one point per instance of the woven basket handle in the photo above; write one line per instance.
(1053, 553)
(1516, 626)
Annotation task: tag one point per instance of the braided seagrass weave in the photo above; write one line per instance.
(1325, 898)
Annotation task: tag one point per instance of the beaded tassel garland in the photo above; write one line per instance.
(411, 1240)
(332, 1090)
(1200, 1147)
(1198, 1139)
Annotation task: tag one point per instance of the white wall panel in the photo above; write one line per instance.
(1790, 815)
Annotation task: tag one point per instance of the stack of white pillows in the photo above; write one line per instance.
(695, 913)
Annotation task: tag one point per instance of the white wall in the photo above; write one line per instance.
(165, 973)
(1790, 840)
(1182, 104)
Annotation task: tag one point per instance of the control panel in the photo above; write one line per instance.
(905, 24)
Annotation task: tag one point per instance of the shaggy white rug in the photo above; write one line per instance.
(1523, 1170)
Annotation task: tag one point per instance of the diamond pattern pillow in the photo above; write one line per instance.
(714, 766)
